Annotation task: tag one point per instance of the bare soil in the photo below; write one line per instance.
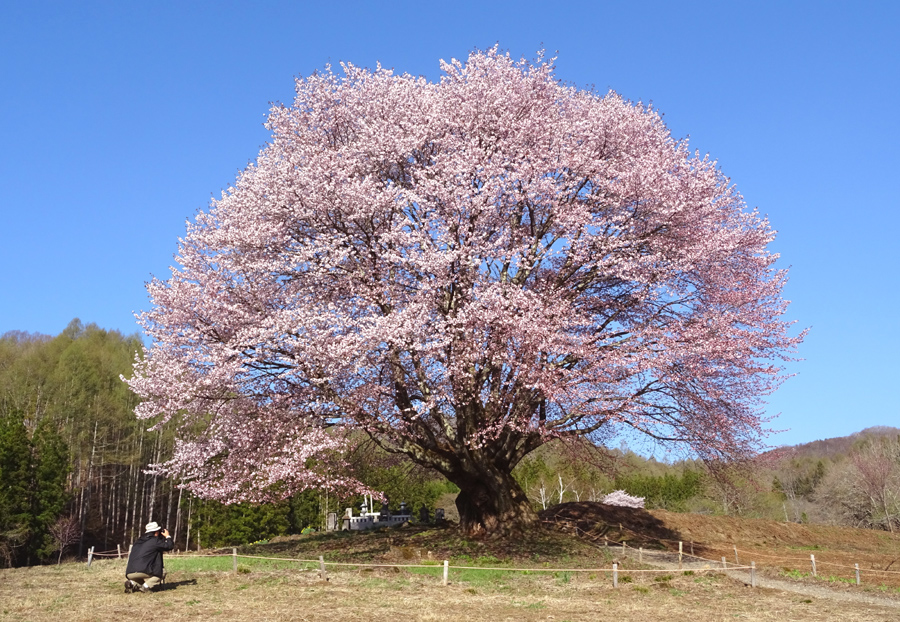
(781, 546)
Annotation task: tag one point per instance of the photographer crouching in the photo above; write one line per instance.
(145, 561)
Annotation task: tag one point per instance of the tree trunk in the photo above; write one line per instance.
(138, 489)
(170, 520)
(152, 504)
(492, 503)
(86, 497)
(178, 518)
(127, 496)
(187, 538)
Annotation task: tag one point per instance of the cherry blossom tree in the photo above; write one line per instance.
(463, 271)
(623, 499)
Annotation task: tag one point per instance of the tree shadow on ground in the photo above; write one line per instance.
(421, 543)
(365, 545)
(599, 522)
(174, 585)
(571, 531)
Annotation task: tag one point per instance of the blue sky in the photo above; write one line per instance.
(119, 120)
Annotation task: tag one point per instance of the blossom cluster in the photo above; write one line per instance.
(623, 499)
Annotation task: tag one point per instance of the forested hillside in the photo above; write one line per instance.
(74, 460)
(852, 481)
(63, 395)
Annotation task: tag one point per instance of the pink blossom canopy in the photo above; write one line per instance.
(462, 270)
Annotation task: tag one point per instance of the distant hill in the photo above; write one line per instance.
(841, 445)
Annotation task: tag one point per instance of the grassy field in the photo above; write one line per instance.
(207, 588)
(263, 590)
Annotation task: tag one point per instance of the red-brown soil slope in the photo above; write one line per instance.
(768, 543)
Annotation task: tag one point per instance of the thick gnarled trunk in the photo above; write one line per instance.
(492, 503)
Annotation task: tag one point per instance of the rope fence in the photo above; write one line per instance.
(721, 564)
(778, 558)
(725, 565)
(614, 570)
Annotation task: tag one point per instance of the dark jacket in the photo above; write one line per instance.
(147, 554)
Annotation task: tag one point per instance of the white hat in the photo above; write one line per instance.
(152, 526)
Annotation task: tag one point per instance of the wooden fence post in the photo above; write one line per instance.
(623, 548)
(724, 563)
(737, 562)
(752, 574)
(812, 560)
(234, 559)
(446, 571)
(615, 575)
(692, 548)
(90, 556)
(679, 555)
(857, 573)
(322, 568)
(119, 550)
(641, 555)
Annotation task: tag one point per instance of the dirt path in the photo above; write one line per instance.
(669, 561)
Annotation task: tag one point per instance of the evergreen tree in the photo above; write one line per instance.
(15, 462)
(49, 472)
(220, 525)
(669, 491)
(33, 472)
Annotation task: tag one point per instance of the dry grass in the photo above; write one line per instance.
(207, 589)
(74, 593)
(777, 546)
(786, 547)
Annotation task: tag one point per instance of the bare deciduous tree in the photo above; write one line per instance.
(64, 531)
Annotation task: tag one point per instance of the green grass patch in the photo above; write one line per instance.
(887, 588)
(473, 577)
(437, 571)
(176, 563)
(482, 560)
(792, 573)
